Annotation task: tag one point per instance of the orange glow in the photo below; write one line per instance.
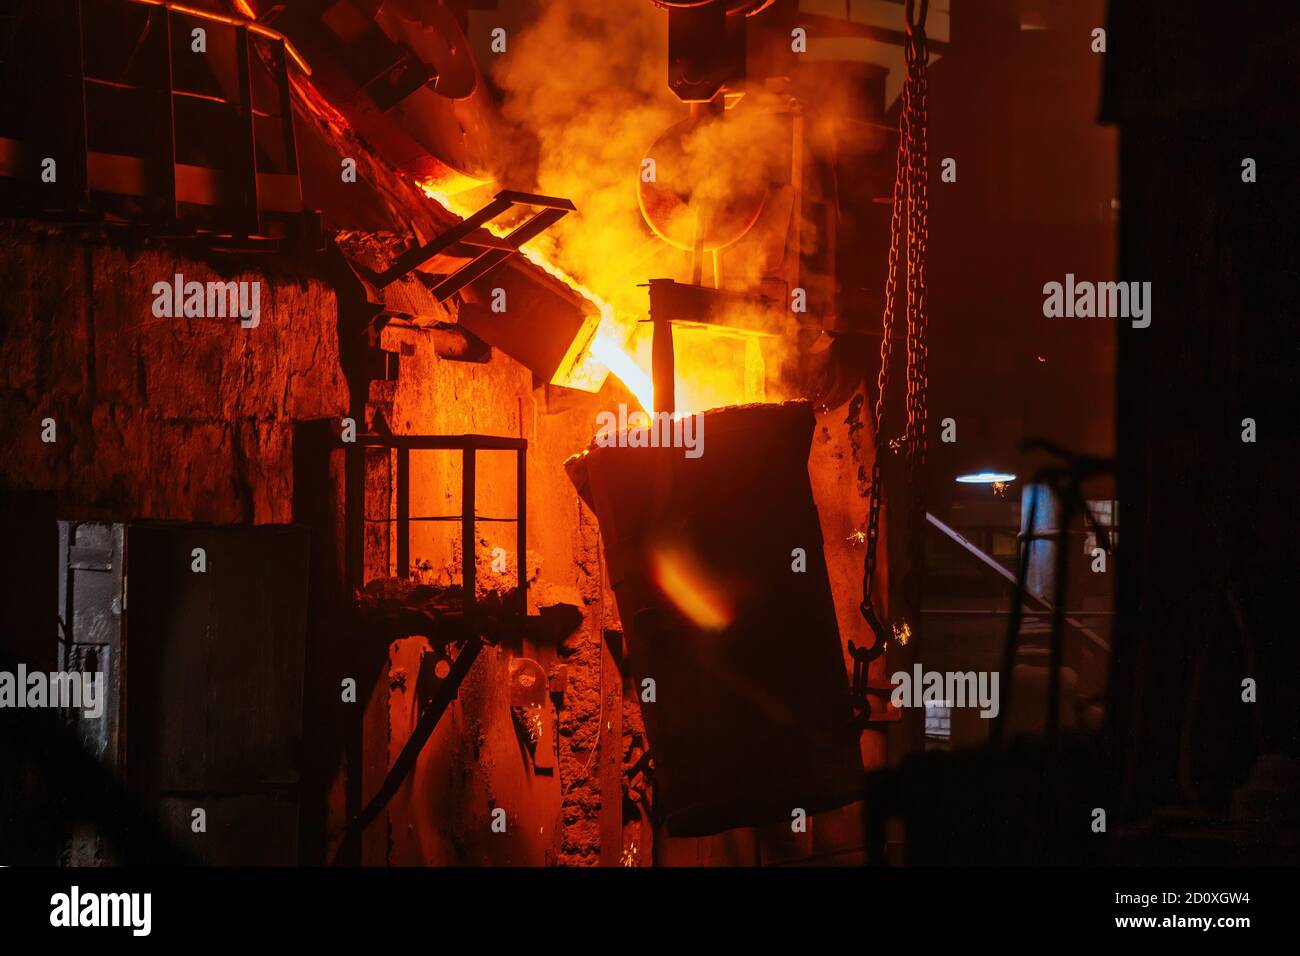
(587, 134)
(614, 357)
(251, 24)
(686, 584)
(714, 366)
(588, 370)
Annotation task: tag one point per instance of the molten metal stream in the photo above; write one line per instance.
(719, 368)
(605, 349)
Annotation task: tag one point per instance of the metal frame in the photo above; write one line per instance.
(1040, 603)
(447, 689)
(468, 446)
(495, 249)
(1065, 482)
(252, 194)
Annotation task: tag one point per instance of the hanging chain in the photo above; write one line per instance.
(884, 376)
(918, 208)
(917, 348)
(910, 190)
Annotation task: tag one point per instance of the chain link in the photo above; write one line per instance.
(917, 239)
(910, 174)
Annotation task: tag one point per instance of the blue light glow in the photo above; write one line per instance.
(986, 477)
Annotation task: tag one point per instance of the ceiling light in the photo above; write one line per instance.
(986, 478)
